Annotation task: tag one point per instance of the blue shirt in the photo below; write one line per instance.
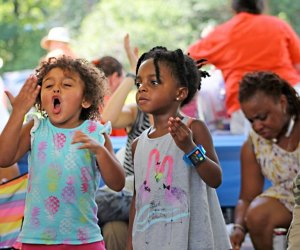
(60, 203)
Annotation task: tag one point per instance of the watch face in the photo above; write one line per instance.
(196, 157)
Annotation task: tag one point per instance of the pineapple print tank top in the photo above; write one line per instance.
(60, 202)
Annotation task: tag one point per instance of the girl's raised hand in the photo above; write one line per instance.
(132, 54)
(181, 134)
(26, 98)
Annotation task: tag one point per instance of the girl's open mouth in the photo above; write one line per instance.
(56, 105)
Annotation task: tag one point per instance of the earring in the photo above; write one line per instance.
(177, 98)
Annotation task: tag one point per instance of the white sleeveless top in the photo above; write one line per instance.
(175, 209)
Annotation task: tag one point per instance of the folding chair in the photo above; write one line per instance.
(12, 203)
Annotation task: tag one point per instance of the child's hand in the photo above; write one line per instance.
(26, 97)
(181, 134)
(237, 238)
(86, 142)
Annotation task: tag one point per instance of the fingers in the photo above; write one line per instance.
(235, 246)
(26, 98)
(132, 54)
(79, 137)
(136, 52)
(127, 42)
(236, 241)
(177, 126)
(84, 141)
(31, 87)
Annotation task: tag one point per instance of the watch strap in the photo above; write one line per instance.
(196, 156)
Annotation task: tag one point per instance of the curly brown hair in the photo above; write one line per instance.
(93, 78)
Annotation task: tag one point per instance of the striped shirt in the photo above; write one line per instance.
(141, 123)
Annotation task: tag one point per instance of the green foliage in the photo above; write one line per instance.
(23, 23)
(287, 10)
(170, 23)
(148, 22)
(98, 26)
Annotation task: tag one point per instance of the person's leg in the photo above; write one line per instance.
(294, 231)
(115, 235)
(263, 215)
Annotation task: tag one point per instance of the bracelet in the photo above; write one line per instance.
(131, 75)
(239, 226)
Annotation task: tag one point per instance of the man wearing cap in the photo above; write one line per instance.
(57, 43)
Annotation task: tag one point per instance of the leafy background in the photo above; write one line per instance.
(98, 26)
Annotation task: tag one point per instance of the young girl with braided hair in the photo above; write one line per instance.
(176, 169)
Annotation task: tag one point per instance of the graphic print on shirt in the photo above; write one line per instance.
(59, 140)
(34, 220)
(61, 184)
(68, 192)
(66, 224)
(158, 200)
(85, 177)
(71, 157)
(92, 126)
(42, 148)
(54, 173)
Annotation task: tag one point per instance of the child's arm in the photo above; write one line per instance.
(187, 138)
(252, 184)
(120, 115)
(111, 169)
(15, 138)
(132, 207)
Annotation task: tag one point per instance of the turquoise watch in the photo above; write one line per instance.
(195, 157)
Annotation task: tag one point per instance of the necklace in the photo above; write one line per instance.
(289, 129)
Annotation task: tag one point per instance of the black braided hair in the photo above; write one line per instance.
(183, 68)
(271, 85)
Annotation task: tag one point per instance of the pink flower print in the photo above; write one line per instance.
(34, 220)
(85, 178)
(91, 127)
(52, 205)
(42, 150)
(59, 140)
